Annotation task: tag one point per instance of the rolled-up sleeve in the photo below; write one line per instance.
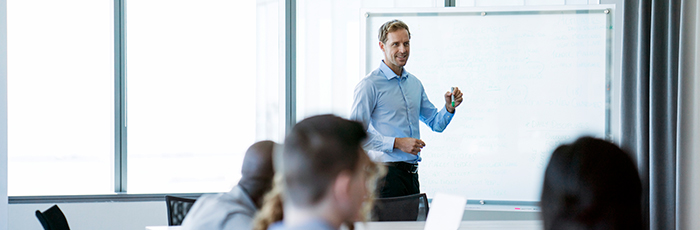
(436, 120)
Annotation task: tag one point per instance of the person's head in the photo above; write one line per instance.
(273, 209)
(591, 184)
(394, 40)
(257, 171)
(324, 167)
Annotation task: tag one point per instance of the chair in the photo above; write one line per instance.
(52, 219)
(177, 209)
(402, 208)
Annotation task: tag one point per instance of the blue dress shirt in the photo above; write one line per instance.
(390, 106)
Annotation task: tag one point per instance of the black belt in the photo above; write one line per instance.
(408, 167)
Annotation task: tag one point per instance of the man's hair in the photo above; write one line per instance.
(591, 184)
(392, 26)
(316, 151)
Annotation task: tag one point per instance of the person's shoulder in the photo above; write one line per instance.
(238, 201)
(206, 200)
(219, 209)
(204, 205)
(204, 214)
(374, 76)
(411, 77)
(371, 80)
(231, 202)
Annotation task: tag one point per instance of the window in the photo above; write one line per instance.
(204, 80)
(203, 85)
(60, 97)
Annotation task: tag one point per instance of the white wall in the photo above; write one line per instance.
(3, 115)
(89, 216)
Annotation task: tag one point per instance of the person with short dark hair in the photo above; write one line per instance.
(591, 184)
(390, 103)
(237, 208)
(324, 175)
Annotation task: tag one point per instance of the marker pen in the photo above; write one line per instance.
(453, 96)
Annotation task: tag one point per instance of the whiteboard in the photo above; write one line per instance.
(533, 78)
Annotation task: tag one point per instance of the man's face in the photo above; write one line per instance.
(358, 191)
(396, 48)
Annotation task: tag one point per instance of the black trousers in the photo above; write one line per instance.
(398, 182)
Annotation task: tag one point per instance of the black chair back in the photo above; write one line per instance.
(402, 208)
(177, 209)
(52, 219)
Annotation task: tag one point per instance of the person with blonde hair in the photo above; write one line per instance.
(324, 177)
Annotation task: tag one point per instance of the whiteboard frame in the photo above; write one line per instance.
(498, 205)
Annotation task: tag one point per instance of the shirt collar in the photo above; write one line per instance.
(389, 74)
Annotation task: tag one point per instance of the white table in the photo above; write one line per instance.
(465, 225)
(163, 228)
(419, 225)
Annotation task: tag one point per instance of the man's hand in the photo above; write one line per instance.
(448, 100)
(409, 145)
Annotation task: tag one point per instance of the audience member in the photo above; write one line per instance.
(325, 179)
(591, 184)
(237, 208)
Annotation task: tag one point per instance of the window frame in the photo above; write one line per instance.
(120, 120)
(120, 150)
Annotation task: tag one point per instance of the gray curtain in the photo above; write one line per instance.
(650, 103)
(688, 179)
(688, 167)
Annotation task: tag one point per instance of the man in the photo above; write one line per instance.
(389, 102)
(236, 209)
(324, 173)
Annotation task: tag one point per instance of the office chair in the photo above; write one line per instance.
(177, 209)
(402, 208)
(52, 219)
